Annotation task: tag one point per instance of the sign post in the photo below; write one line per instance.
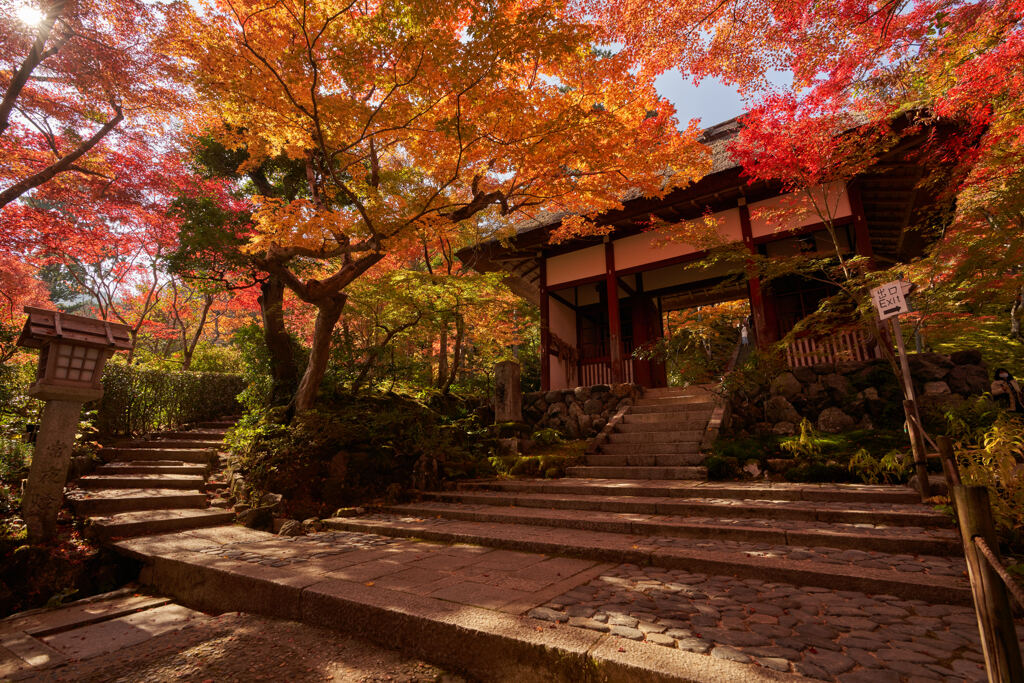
(890, 300)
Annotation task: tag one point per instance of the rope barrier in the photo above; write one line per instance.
(1011, 583)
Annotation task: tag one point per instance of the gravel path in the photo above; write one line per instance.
(823, 634)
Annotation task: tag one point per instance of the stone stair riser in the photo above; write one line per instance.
(661, 473)
(675, 401)
(639, 489)
(204, 435)
(188, 444)
(888, 544)
(668, 460)
(130, 482)
(144, 468)
(683, 508)
(692, 436)
(106, 531)
(134, 454)
(658, 412)
(916, 587)
(680, 447)
(666, 426)
(110, 506)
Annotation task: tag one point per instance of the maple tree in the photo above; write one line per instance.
(78, 77)
(413, 115)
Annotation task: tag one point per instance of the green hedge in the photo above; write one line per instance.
(137, 401)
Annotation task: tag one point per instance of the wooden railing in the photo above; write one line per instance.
(599, 371)
(849, 346)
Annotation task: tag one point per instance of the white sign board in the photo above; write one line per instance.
(889, 299)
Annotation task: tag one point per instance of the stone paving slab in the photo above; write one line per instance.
(910, 576)
(465, 604)
(820, 634)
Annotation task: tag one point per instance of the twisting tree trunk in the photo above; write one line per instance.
(460, 337)
(442, 357)
(283, 367)
(328, 312)
(1015, 313)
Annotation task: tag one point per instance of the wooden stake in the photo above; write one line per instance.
(914, 429)
(991, 599)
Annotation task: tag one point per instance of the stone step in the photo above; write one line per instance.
(646, 427)
(193, 455)
(111, 501)
(849, 513)
(776, 491)
(689, 401)
(661, 411)
(657, 437)
(191, 435)
(640, 460)
(217, 424)
(606, 472)
(883, 538)
(142, 481)
(654, 448)
(153, 467)
(849, 570)
(191, 444)
(660, 392)
(147, 522)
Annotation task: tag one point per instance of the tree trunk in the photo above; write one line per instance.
(189, 347)
(1015, 313)
(460, 336)
(328, 312)
(283, 367)
(442, 357)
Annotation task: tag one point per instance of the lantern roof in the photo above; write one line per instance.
(45, 326)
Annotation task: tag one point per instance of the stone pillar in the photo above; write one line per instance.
(44, 492)
(508, 392)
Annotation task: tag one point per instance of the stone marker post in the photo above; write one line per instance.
(72, 353)
(508, 392)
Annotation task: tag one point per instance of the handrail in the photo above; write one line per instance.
(1011, 583)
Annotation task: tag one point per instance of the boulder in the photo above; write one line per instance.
(779, 464)
(838, 386)
(815, 394)
(968, 380)
(784, 429)
(763, 428)
(936, 388)
(312, 524)
(966, 357)
(555, 409)
(290, 527)
(581, 393)
(929, 367)
(786, 385)
(834, 420)
(824, 368)
(593, 406)
(271, 500)
(622, 390)
(779, 409)
(553, 396)
(870, 394)
(805, 374)
(257, 518)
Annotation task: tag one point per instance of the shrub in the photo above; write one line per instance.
(138, 401)
(348, 450)
(892, 468)
(996, 466)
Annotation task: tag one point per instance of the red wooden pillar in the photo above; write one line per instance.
(545, 328)
(860, 224)
(614, 322)
(763, 312)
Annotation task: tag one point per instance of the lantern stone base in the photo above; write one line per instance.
(45, 491)
(45, 391)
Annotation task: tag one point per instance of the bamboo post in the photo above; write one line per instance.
(991, 599)
(949, 466)
(910, 410)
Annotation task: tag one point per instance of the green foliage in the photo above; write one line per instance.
(892, 468)
(138, 401)
(548, 460)
(995, 464)
(547, 437)
(215, 358)
(722, 467)
(972, 418)
(806, 445)
(349, 450)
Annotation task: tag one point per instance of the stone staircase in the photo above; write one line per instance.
(658, 438)
(876, 539)
(153, 485)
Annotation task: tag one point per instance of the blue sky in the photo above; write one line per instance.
(711, 101)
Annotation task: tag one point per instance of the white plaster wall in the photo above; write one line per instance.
(787, 212)
(562, 322)
(575, 265)
(652, 246)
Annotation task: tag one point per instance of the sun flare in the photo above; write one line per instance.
(30, 15)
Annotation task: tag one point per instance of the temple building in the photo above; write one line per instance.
(602, 297)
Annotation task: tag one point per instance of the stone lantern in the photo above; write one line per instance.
(72, 353)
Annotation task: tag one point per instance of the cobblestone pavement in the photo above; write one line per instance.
(820, 633)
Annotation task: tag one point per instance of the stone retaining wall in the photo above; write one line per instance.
(841, 396)
(581, 412)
